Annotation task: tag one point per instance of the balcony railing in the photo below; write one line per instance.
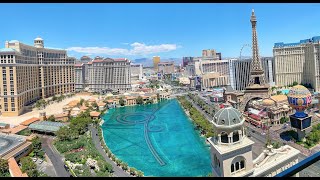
(300, 166)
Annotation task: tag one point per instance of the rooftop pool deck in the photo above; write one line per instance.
(158, 139)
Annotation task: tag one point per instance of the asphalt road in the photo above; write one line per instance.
(54, 157)
(118, 172)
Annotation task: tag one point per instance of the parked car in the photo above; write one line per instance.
(40, 161)
(34, 159)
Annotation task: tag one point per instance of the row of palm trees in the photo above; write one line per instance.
(209, 109)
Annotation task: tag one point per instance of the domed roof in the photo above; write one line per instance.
(228, 117)
(268, 102)
(38, 39)
(299, 97)
(299, 91)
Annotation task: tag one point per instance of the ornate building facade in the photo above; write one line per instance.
(298, 62)
(30, 73)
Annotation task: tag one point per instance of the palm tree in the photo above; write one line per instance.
(133, 171)
(124, 166)
(139, 173)
(118, 162)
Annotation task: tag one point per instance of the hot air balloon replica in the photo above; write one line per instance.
(299, 97)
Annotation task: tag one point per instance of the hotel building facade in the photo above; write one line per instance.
(30, 73)
(109, 75)
(297, 62)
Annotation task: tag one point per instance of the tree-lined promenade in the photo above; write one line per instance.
(199, 120)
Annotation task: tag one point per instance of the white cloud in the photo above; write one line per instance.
(136, 49)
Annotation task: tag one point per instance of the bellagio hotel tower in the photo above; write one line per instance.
(29, 73)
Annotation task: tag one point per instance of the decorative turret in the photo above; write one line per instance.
(38, 42)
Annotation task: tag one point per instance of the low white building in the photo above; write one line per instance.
(231, 150)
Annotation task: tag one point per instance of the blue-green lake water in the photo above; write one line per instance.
(158, 139)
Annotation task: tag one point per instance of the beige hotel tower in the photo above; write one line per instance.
(29, 73)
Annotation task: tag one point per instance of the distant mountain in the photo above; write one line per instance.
(146, 62)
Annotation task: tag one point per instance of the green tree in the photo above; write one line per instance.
(54, 98)
(139, 173)
(81, 101)
(295, 83)
(86, 104)
(63, 133)
(133, 171)
(139, 100)
(105, 166)
(158, 96)
(124, 166)
(37, 147)
(149, 101)
(51, 118)
(121, 101)
(118, 162)
(284, 120)
(94, 105)
(4, 167)
(29, 167)
(38, 104)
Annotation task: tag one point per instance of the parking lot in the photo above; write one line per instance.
(44, 166)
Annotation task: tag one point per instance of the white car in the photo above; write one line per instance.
(40, 161)
(34, 159)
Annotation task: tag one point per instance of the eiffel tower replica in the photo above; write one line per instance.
(257, 87)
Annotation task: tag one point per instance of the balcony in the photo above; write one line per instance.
(301, 166)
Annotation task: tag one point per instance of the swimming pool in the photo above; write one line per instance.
(285, 91)
(158, 139)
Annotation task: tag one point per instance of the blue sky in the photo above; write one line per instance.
(168, 30)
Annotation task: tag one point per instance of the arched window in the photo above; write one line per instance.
(235, 136)
(237, 166)
(241, 164)
(232, 167)
(224, 137)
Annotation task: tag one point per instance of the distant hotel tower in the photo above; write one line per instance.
(156, 60)
(298, 62)
(30, 73)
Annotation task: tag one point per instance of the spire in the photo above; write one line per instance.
(255, 50)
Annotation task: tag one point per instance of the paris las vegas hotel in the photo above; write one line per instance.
(29, 73)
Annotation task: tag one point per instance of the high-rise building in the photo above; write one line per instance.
(186, 61)
(136, 71)
(30, 73)
(240, 72)
(156, 60)
(166, 67)
(211, 54)
(79, 77)
(298, 62)
(85, 59)
(109, 75)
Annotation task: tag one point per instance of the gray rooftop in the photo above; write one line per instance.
(7, 50)
(9, 142)
(46, 126)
